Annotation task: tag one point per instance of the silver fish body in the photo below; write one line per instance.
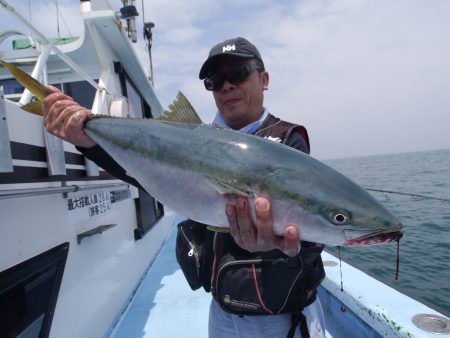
(195, 169)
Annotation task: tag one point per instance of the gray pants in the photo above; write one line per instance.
(226, 325)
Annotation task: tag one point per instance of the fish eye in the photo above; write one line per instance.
(340, 217)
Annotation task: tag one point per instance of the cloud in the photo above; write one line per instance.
(364, 76)
(360, 75)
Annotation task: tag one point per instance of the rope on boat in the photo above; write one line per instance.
(408, 194)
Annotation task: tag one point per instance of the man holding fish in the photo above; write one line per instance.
(235, 73)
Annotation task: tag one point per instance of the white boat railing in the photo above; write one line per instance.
(54, 146)
(6, 194)
(39, 71)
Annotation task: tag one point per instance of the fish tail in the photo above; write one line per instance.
(34, 107)
(34, 86)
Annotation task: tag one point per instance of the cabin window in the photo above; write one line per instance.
(11, 86)
(81, 91)
(148, 210)
(140, 106)
(28, 294)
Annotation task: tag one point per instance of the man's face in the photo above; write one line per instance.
(240, 104)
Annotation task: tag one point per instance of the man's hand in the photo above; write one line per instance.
(260, 236)
(63, 117)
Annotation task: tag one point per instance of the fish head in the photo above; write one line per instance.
(333, 210)
(364, 224)
(358, 218)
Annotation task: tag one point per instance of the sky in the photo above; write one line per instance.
(364, 77)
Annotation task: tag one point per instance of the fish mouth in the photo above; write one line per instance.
(374, 238)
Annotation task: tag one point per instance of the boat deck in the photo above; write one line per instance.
(164, 306)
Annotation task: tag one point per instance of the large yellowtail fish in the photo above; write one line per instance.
(194, 169)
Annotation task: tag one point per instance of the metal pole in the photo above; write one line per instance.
(131, 22)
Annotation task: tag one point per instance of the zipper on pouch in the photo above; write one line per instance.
(192, 251)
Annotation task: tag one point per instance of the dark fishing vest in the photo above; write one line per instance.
(276, 128)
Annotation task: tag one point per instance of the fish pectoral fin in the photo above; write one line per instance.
(224, 230)
(180, 111)
(226, 188)
(34, 107)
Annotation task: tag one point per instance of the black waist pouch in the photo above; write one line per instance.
(194, 253)
(259, 285)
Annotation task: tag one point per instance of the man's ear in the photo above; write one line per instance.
(265, 80)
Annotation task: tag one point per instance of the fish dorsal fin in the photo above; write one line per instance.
(180, 111)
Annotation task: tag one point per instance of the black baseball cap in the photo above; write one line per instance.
(238, 47)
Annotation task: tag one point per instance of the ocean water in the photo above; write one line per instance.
(425, 246)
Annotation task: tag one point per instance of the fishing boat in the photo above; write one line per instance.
(86, 255)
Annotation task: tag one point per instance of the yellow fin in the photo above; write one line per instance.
(180, 111)
(27, 81)
(218, 229)
(34, 107)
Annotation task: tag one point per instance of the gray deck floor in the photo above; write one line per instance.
(164, 304)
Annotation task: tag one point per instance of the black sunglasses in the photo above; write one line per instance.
(234, 76)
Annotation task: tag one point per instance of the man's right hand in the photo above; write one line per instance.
(63, 117)
(259, 235)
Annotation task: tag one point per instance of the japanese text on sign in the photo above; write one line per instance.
(97, 203)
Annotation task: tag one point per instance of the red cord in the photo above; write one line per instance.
(257, 291)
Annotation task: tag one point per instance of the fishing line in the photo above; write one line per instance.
(398, 259)
(340, 267)
(29, 9)
(58, 12)
(408, 194)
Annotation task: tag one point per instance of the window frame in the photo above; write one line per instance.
(27, 270)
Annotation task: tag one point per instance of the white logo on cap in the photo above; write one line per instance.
(228, 48)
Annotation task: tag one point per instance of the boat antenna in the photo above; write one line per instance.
(129, 13)
(57, 18)
(59, 14)
(148, 36)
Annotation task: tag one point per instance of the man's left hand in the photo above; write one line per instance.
(260, 236)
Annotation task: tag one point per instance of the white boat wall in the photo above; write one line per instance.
(74, 241)
(86, 255)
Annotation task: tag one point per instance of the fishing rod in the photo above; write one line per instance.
(408, 194)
